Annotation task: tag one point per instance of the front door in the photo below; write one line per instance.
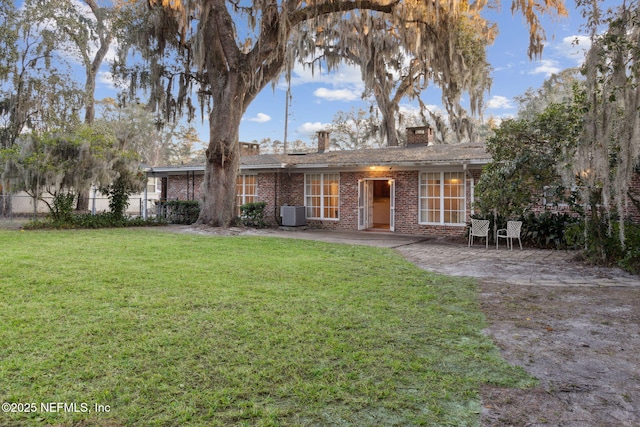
(365, 204)
(376, 204)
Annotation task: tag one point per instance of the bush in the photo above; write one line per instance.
(252, 214)
(103, 220)
(547, 230)
(182, 211)
(62, 207)
(630, 261)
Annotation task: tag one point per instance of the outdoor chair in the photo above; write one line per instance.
(511, 232)
(479, 228)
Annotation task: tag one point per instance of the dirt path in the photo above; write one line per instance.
(580, 342)
(576, 328)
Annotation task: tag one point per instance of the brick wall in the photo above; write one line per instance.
(287, 188)
(283, 188)
(419, 135)
(184, 187)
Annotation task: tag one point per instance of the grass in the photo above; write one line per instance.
(164, 329)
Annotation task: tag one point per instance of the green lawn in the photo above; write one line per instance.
(179, 330)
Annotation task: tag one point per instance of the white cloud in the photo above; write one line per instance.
(336, 94)
(260, 118)
(341, 84)
(348, 75)
(106, 78)
(500, 102)
(574, 48)
(310, 128)
(547, 67)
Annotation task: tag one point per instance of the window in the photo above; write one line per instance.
(321, 195)
(152, 185)
(246, 190)
(442, 198)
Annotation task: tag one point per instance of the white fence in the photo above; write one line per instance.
(22, 204)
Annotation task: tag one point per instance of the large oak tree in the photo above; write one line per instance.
(229, 50)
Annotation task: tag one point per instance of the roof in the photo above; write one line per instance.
(418, 155)
(411, 156)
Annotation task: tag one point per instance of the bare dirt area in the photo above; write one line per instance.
(582, 343)
(574, 327)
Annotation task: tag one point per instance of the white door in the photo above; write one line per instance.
(365, 204)
(392, 200)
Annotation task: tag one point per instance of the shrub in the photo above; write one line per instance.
(630, 261)
(547, 230)
(103, 220)
(252, 214)
(62, 207)
(183, 211)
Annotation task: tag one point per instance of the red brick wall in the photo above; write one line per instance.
(289, 190)
(419, 135)
(184, 187)
(284, 188)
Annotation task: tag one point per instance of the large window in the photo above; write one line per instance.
(321, 195)
(442, 198)
(246, 190)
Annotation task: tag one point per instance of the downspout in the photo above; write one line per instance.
(144, 202)
(276, 180)
(471, 187)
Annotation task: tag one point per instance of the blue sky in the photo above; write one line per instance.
(317, 98)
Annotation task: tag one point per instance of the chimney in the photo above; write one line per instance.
(323, 141)
(420, 135)
(249, 149)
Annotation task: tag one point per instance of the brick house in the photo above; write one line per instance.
(418, 189)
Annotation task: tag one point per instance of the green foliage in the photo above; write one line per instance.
(528, 154)
(606, 249)
(118, 192)
(547, 230)
(118, 195)
(630, 260)
(62, 207)
(252, 214)
(103, 220)
(182, 211)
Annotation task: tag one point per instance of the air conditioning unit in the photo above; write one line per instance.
(293, 216)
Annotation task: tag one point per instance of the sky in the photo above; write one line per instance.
(317, 98)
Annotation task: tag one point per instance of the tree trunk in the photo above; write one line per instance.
(217, 205)
(387, 110)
